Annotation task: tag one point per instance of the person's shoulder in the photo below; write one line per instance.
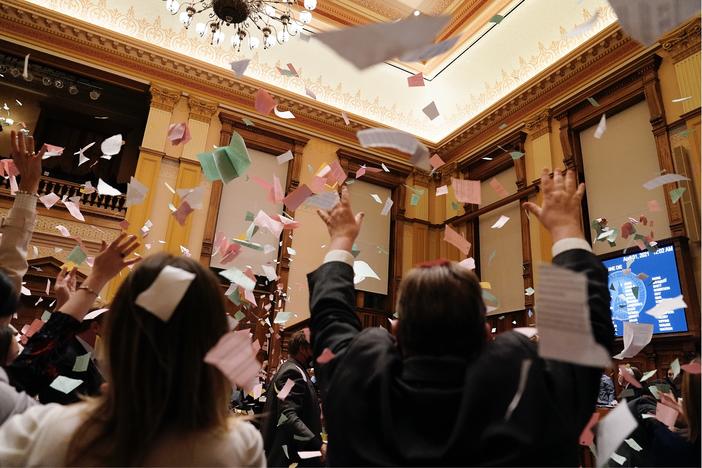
(245, 443)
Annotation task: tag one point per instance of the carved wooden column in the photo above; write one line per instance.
(654, 99)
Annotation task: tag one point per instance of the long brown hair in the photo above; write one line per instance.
(157, 378)
(441, 311)
(691, 403)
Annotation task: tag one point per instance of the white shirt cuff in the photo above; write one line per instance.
(570, 243)
(339, 256)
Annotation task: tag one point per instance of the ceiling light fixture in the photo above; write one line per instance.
(417, 13)
(73, 90)
(275, 19)
(94, 95)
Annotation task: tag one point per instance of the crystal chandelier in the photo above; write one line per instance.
(274, 19)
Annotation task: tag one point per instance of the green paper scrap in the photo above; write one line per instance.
(350, 181)
(248, 122)
(675, 367)
(455, 206)
(77, 255)
(497, 19)
(65, 384)
(654, 392)
(282, 419)
(45, 316)
(593, 101)
(414, 199)
(676, 194)
(239, 316)
(235, 298)
(516, 155)
(635, 291)
(355, 250)
(248, 244)
(249, 216)
(228, 162)
(488, 296)
(648, 375)
(492, 256)
(282, 317)
(663, 388)
(633, 444)
(310, 168)
(251, 231)
(81, 364)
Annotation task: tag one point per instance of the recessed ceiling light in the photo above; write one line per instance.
(417, 12)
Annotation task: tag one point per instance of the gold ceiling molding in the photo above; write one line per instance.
(539, 125)
(594, 58)
(684, 41)
(163, 98)
(202, 110)
(97, 46)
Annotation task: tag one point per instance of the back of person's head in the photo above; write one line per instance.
(691, 403)
(298, 342)
(157, 379)
(8, 297)
(441, 311)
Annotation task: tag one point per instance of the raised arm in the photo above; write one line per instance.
(18, 226)
(333, 322)
(576, 386)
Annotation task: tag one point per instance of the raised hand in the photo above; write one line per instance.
(560, 211)
(28, 162)
(342, 224)
(112, 259)
(64, 286)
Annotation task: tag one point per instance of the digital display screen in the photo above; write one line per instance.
(638, 282)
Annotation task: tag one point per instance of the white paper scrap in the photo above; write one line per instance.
(636, 337)
(612, 430)
(667, 306)
(563, 319)
(103, 188)
(166, 292)
(500, 222)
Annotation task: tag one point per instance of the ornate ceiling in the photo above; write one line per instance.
(488, 63)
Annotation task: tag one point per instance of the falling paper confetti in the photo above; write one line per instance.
(601, 127)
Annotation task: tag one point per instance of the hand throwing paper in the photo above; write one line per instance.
(166, 292)
(563, 319)
(233, 355)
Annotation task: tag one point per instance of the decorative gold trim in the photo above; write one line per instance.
(202, 110)
(684, 41)
(539, 125)
(163, 98)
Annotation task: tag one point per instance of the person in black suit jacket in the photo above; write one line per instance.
(436, 391)
(293, 424)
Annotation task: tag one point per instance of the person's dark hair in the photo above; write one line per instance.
(8, 296)
(86, 324)
(691, 403)
(297, 342)
(441, 311)
(7, 334)
(158, 380)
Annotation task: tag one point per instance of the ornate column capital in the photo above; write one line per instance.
(202, 110)
(163, 98)
(684, 41)
(539, 124)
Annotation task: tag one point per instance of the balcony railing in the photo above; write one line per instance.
(102, 205)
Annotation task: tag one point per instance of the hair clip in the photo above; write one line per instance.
(439, 262)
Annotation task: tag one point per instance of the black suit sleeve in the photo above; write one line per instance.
(333, 322)
(577, 386)
(291, 408)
